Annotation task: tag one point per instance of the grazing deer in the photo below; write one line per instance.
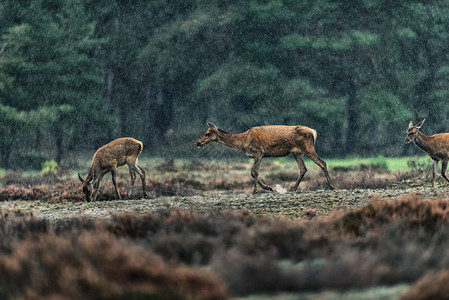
(437, 146)
(117, 153)
(270, 141)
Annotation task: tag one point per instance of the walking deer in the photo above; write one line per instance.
(107, 158)
(270, 141)
(437, 146)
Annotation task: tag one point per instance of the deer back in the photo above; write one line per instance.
(117, 152)
(278, 140)
(437, 145)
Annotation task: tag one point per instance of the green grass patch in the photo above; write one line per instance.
(388, 163)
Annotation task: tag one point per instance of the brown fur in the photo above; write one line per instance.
(437, 146)
(270, 141)
(107, 158)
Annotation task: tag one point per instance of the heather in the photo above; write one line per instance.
(184, 255)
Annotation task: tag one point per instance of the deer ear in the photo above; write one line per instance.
(410, 125)
(80, 178)
(212, 126)
(420, 124)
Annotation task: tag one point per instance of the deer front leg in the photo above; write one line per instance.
(97, 186)
(114, 181)
(255, 171)
(434, 172)
(255, 174)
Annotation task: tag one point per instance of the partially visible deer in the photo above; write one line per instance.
(270, 141)
(107, 158)
(437, 146)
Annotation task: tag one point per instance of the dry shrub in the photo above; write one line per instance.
(430, 287)
(283, 239)
(13, 192)
(381, 243)
(410, 210)
(179, 236)
(16, 178)
(228, 184)
(177, 186)
(356, 180)
(97, 266)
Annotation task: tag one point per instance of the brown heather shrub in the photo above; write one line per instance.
(410, 210)
(356, 180)
(97, 266)
(381, 243)
(179, 236)
(430, 287)
(13, 192)
(16, 178)
(283, 239)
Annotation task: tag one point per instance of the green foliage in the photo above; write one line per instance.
(76, 74)
(49, 166)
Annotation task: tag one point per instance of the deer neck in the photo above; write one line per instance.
(424, 142)
(234, 141)
(91, 176)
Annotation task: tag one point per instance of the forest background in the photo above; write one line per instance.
(76, 74)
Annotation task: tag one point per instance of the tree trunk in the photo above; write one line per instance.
(59, 143)
(353, 118)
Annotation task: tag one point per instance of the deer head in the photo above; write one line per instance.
(209, 136)
(412, 131)
(87, 187)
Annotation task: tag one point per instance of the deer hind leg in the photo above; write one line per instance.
(435, 171)
(302, 169)
(132, 173)
(444, 168)
(316, 159)
(141, 173)
(114, 181)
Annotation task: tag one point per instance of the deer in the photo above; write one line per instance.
(437, 146)
(106, 159)
(270, 141)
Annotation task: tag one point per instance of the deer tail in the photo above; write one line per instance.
(307, 131)
(314, 135)
(140, 147)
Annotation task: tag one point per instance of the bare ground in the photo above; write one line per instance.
(297, 205)
(211, 188)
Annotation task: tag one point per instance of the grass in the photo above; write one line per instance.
(388, 163)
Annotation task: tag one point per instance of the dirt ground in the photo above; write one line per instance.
(212, 188)
(293, 205)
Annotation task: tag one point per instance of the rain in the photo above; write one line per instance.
(76, 75)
